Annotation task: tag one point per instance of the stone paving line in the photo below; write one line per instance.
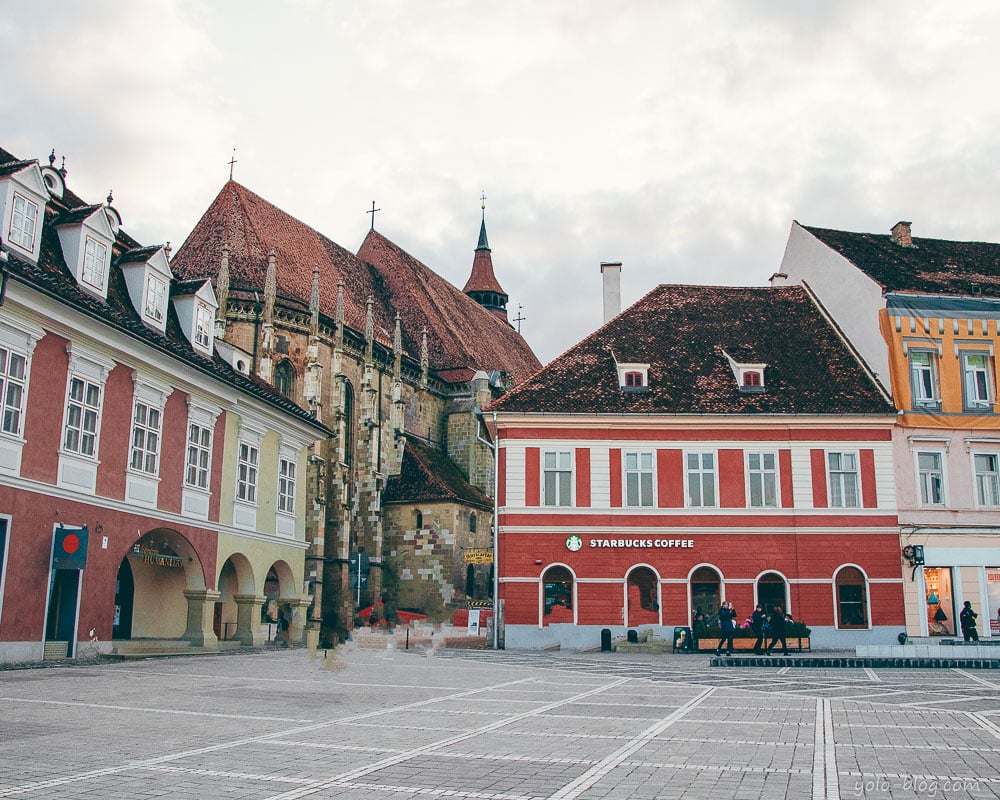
(493, 726)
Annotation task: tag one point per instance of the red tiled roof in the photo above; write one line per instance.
(684, 333)
(933, 266)
(482, 278)
(460, 332)
(427, 474)
(51, 276)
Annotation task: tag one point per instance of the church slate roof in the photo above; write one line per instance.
(933, 266)
(52, 277)
(684, 334)
(460, 332)
(428, 475)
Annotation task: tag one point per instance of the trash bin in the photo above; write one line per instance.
(682, 639)
(606, 640)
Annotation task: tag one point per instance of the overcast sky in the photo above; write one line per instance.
(681, 138)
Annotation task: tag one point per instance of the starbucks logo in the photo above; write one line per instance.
(573, 543)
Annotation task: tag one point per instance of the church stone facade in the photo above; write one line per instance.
(396, 362)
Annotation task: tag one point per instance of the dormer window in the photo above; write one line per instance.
(94, 259)
(749, 376)
(204, 318)
(633, 377)
(23, 220)
(156, 298)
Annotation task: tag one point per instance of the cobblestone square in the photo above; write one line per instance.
(362, 723)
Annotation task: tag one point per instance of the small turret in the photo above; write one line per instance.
(482, 285)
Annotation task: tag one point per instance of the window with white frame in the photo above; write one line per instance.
(557, 478)
(843, 480)
(23, 220)
(199, 456)
(83, 416)
(976, 381)
(639, 479)
(923, 377)
(145, 452)
(13, 368)
(286, 486)
(987, 480)
(930, 476)
(94, 259)
(246, 473)
(762, 479)
(156, 298)
(203, 325)
(701, 480)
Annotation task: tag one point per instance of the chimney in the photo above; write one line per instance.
(611, 271)
(779, 279)
(901, 234)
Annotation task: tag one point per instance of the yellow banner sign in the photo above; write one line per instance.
(481, 556)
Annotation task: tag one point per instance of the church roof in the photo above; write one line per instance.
(428, 475)
(463, 334)
(689, 336)
(460, 332)
(932, 266)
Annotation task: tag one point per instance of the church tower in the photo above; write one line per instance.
(482, 285)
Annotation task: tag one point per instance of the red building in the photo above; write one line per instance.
(708, 444)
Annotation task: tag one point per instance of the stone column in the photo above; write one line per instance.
(297, 629)
(248, 628)
(201, 607)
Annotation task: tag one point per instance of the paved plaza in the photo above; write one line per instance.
(493, 726)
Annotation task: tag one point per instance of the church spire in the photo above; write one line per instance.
(482, 285)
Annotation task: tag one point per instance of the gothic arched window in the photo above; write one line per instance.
(284, 379)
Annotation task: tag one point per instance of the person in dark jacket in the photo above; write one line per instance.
(967, 619)
(757, 620)
(727, 627)
(777, 630)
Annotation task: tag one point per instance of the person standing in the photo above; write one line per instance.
(967, 619)
(776, 623)
(727, 627)
(757, 620)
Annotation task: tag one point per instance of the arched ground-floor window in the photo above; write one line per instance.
(852, 598)
(706, 592)
(772, 592)
(642, 597)
(557, 595)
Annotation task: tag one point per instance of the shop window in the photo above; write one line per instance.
(940, 603)
(772, 591)
(557, 595)
(852, 598)
(706, 591)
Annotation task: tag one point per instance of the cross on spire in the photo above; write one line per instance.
(372, 212)
(482, 199)
(519, 319)
(232, 162)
